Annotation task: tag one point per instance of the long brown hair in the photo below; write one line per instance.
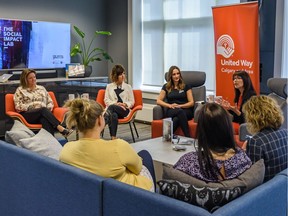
(170, 84)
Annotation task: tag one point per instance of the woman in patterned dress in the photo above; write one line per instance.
(216, 158)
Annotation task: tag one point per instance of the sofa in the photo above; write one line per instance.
(32, 184)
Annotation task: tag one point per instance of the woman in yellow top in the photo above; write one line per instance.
(108, 158)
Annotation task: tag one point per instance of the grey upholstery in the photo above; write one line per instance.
(278, 87)
(196, 79)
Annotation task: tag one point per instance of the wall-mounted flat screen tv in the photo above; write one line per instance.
(34, 44)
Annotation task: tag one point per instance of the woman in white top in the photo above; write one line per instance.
(119, 99)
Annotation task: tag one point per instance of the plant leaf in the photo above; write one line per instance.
(79, 32)
(75, 50)
(107, 56)
(103, 33)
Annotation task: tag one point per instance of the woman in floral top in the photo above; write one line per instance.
(216, 158)
(34, 103)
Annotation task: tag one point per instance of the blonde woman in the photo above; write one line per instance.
(264, 119)
(34, 103)
(177, 97)
(113, 158)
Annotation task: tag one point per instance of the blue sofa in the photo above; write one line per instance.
(31, 184)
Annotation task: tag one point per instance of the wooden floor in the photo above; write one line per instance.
(144, 131)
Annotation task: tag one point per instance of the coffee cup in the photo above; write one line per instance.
(210, 98)
(71, 96)
(85, 96)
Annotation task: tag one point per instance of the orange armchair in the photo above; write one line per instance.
(59, 112)
(131, 117)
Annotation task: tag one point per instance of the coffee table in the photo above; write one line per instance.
(162, 152)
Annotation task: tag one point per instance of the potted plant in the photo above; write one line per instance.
(87, 52)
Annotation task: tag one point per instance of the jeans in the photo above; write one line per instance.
(148, 162)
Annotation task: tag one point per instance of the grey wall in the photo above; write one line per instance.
(118, 24)
(88, 15)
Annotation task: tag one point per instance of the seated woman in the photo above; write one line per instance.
(34, 103)
(177, 97)
(119, 99)
(113, 158)
(269, 142)
(244, 90)
(216, 157)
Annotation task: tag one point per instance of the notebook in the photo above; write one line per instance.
(167, 129)
(5, 77)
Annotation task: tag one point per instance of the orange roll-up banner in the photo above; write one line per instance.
(236, 45)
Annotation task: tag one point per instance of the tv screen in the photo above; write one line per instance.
(34, 44)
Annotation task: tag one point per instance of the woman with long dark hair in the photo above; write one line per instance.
(244, 90)
(216, 157)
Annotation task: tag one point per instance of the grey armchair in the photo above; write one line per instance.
(197, 80)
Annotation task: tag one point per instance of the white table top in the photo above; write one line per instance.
(162, 151)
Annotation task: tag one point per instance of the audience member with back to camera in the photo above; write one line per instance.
(108, 158)
(216, 158)
(119, 99)
(244, 89)
(177, 97)
(269, 142)
(34, 103)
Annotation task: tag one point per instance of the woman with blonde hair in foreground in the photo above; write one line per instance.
(264, 119)
(108, 158)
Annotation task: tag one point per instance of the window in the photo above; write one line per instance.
(172, 32)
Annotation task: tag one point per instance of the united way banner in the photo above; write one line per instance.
(236, 45)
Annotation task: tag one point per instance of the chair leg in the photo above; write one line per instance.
(135, 129)
(132, 132)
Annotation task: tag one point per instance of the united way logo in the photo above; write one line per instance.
(225, 46)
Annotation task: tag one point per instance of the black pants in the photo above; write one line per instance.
(42, 116)
(180, 118)
(115, 112)
(148, 163)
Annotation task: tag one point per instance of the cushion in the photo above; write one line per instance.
(205, 197)
(17, 132)
(251, 178)
(43, 143)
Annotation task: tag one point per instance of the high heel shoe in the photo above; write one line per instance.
(67, 132)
